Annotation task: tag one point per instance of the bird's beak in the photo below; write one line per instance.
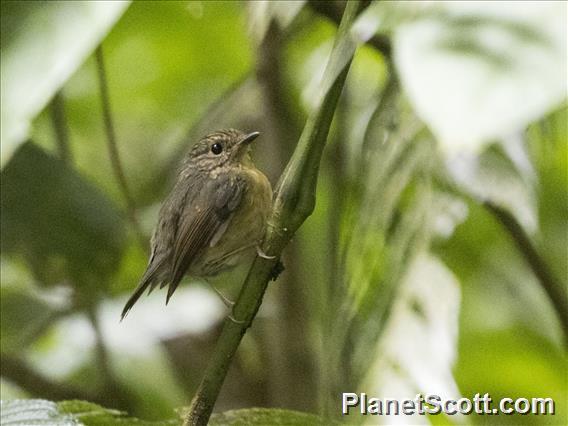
(249, 138)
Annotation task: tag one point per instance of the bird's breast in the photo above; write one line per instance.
(245, 229)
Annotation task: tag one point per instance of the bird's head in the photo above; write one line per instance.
(224, 148)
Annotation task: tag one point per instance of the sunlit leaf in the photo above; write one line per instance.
(21, 412)
(419, 346)
(502, 174)
(43, 43)
(479, 71)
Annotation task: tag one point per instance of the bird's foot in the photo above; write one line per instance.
(263, 254)
(276, 270)
(226, 301)
(236, 321)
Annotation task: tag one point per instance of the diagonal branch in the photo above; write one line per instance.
(294, 202)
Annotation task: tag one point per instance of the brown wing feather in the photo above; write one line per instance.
(194, 234)
(199, 225)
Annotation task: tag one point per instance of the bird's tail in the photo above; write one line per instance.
(148, 280)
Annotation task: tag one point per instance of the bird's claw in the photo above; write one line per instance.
(236, 321)
(226, 301)
(263, 254)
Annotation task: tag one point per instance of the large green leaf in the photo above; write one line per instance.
(63, 225)
(419, 345)
(478, 71)
(24, 412)
(43, 43)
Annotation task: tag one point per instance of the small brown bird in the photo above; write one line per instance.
(214, 216)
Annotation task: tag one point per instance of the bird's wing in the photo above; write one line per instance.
(201, 221)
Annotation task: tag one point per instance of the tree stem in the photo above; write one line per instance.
(294, 202)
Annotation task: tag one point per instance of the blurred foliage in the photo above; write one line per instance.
(74, 234)
(400, 282)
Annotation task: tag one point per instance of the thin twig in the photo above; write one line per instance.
(113, 148)
(59, 122)
(551, 286)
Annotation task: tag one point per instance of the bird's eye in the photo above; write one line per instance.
(217, 148)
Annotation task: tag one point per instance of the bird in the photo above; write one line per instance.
(214, 216)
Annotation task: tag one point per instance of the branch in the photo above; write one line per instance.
(294, 202)
(59, 122)
(113, 148)
(523, 242)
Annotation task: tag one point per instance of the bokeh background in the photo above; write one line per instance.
(406, 279)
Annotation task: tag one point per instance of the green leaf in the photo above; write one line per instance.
(265, 416)
(418, 348)
(62, 225)
(90, 414)
(476, 72)
(43, 43)
(23, 412)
